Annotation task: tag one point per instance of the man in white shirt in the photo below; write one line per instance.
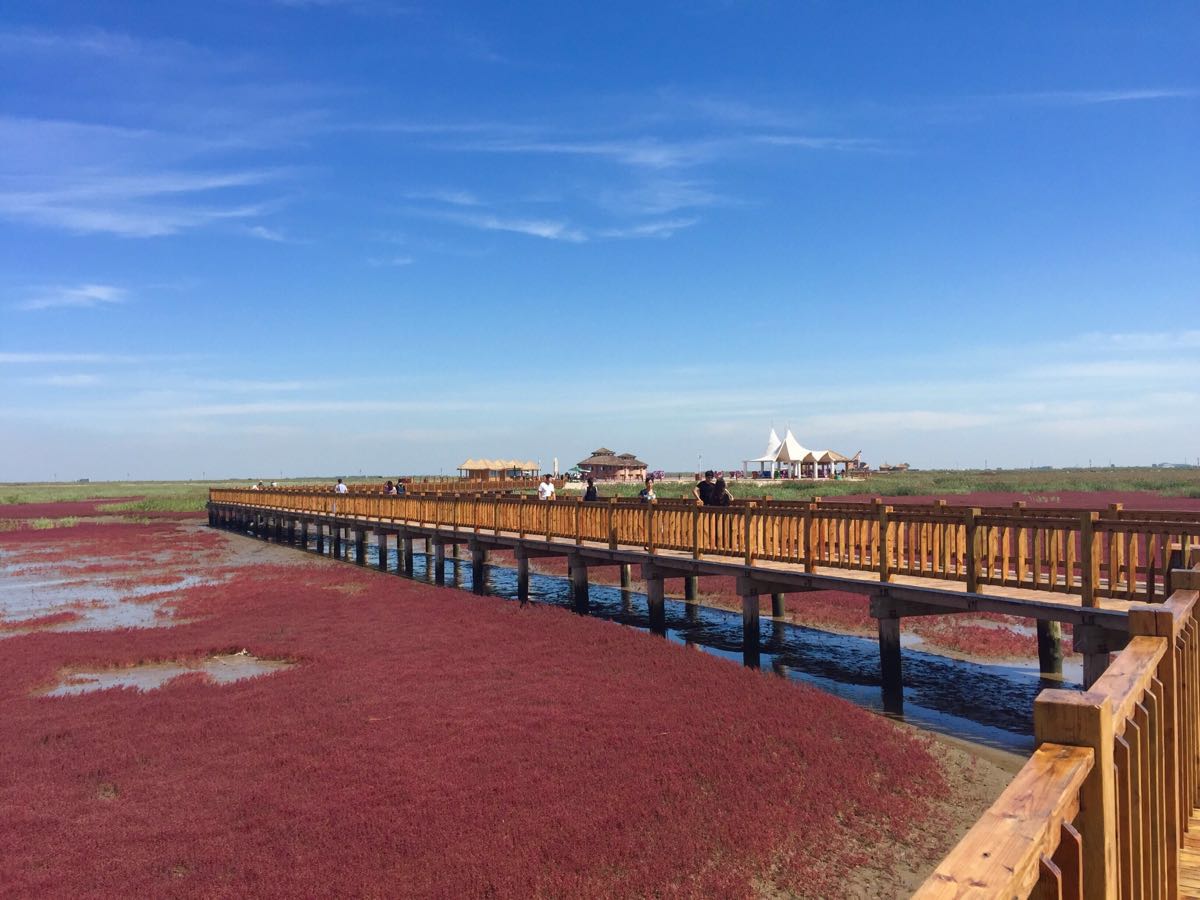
(341, 488)
(546, 489)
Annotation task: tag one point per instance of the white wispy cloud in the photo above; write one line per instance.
(390, 261)
(660, 229)
(550, 229)
(1090, 97)
(79, 296)
(129, 204)
(66, 381)
(264, 233)
(58, 358)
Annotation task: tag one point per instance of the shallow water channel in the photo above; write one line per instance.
(984, 704)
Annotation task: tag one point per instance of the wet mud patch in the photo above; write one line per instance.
(217, 669)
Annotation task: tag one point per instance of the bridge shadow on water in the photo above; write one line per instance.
(984, 704)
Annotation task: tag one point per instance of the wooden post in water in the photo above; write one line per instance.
(626, 575)
(522, 576)
(335, 536)
(406, 543)
(360, 546)
(1096, 647)
(1049, 644)
(320, 538)
(891, 668)
(304, 534)
(382, 546)
(654, 599)
(777, 604)
(579, 582)
(478, 575)
(751, 639)
(691, 587)
(439, 560)
(291, 530)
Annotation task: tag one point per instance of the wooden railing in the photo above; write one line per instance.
(426, 486)
(1100, 809)
(1126, 558)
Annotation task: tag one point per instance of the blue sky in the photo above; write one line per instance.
(255, 238)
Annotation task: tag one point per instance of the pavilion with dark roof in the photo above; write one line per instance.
(605, 465)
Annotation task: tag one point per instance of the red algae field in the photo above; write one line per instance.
(407, 740)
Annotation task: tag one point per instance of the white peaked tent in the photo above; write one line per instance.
(768, 458)
(791, 459)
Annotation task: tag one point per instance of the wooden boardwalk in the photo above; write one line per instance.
(1105, 808)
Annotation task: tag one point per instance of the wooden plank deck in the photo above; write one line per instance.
(1189, 860)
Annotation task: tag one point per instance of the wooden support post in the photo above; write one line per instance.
(407, 545)
(748, 536)
(335, 537)
(1089, 559)
(612, 523)
(278, 528)
(360, 546)
(381, 542)
(304, 534)
(972, 550)
(777, 604)
(885, 544)
(691, 587)
(1086, 720)
(1096, 645)
(522, 578)
(320, 538)
(478, 573)
(811, 527)
(579, 582)
(626, 575)
(439, 561)
(1050, 650)
(751, 640)
(891, 667)
(655, 600)
(454, 549)
(291, 531)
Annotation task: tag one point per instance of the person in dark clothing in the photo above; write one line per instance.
(706, 489)
(591, 493)
(721, 495)
(647, 495)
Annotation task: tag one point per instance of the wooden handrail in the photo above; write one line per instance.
(1027, 830)
(1123, 823)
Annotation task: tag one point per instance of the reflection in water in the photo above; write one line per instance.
(987, 704)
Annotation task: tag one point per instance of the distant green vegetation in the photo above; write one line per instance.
(65, 522)
(190, 496)
(1171, 482)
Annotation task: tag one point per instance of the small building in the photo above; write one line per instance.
(605, 465)
(493, 469)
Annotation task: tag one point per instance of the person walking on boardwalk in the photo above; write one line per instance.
(546, 488)
(705, 491)
(340, 487)
(721, 495)
(389, 489)
(591, 493)
(647, 495)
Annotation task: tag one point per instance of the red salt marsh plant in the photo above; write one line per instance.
(433, 743)
(47, 621)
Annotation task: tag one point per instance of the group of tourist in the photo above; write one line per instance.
(711, 491)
